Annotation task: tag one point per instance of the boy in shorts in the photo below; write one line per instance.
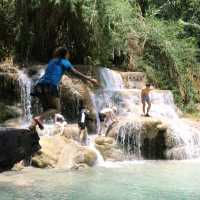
(146, 99)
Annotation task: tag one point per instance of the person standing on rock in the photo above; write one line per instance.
(82, 122)
(46, 88)
(146, 99)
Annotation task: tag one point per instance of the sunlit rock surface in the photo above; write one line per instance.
(108, 148)
(59, 152)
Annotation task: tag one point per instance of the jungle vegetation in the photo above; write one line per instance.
(97, 32)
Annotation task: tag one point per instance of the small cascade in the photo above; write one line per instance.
(129, 138)
(25, 84)
(111, 79)
(91, 144)
(92, 97)
(183, 139)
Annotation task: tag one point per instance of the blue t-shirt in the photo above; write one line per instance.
(55, 70)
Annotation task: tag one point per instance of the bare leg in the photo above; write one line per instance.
(143, 107)
(53, 103)
(83, 136)
(100, 129)
(148, 108)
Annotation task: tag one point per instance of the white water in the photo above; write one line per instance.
(91, 144)
(186, 137)
(25, 84)
(111, 79)
(114, 93)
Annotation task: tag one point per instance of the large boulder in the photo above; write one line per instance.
(71, 131)
(16, 145)
(140, 136)
(62, 153)
(108, 148)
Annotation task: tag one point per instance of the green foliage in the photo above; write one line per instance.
(7, 21)
(169, 59)
(169, 29)
(111, 23)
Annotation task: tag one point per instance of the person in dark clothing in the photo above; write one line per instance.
(82, 122)
(46, 88)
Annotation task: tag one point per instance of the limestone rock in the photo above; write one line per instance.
(71, 131)
(144, 137)
(62, 153)
(108, 148)
(133, 79)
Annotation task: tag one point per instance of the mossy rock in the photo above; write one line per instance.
(8, 112)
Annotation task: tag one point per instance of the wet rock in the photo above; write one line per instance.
(108, 148)
(62, 153)
(9, 84)
(142, 137)
(8, 112)
(71, 131)
(86, 156)
(72, 92)
(16, 145)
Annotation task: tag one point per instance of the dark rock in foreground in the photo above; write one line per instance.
(16, 145)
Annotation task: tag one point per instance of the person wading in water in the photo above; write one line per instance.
(46, 88)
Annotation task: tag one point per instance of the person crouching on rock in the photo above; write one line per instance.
(146, 99)
(46, 88)
(60, 123)
(106, 115)
(82, 120)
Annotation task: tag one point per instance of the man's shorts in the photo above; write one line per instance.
(82, 125)
(146, 99)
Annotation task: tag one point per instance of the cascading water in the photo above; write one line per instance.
(111, 79)
(185, 137)
(25, 84)
(130, 140)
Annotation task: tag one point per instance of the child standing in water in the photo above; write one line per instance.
(146, 99)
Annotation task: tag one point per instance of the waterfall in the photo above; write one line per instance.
(25, 84)
(130, 140)
(111, 79)
(91, 144)
(92, 97)
(126, 97)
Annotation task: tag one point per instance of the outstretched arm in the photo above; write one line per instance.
(82, 76)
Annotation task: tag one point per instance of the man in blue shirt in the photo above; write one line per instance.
(47, 87)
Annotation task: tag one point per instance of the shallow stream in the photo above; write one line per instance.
(139, 180)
